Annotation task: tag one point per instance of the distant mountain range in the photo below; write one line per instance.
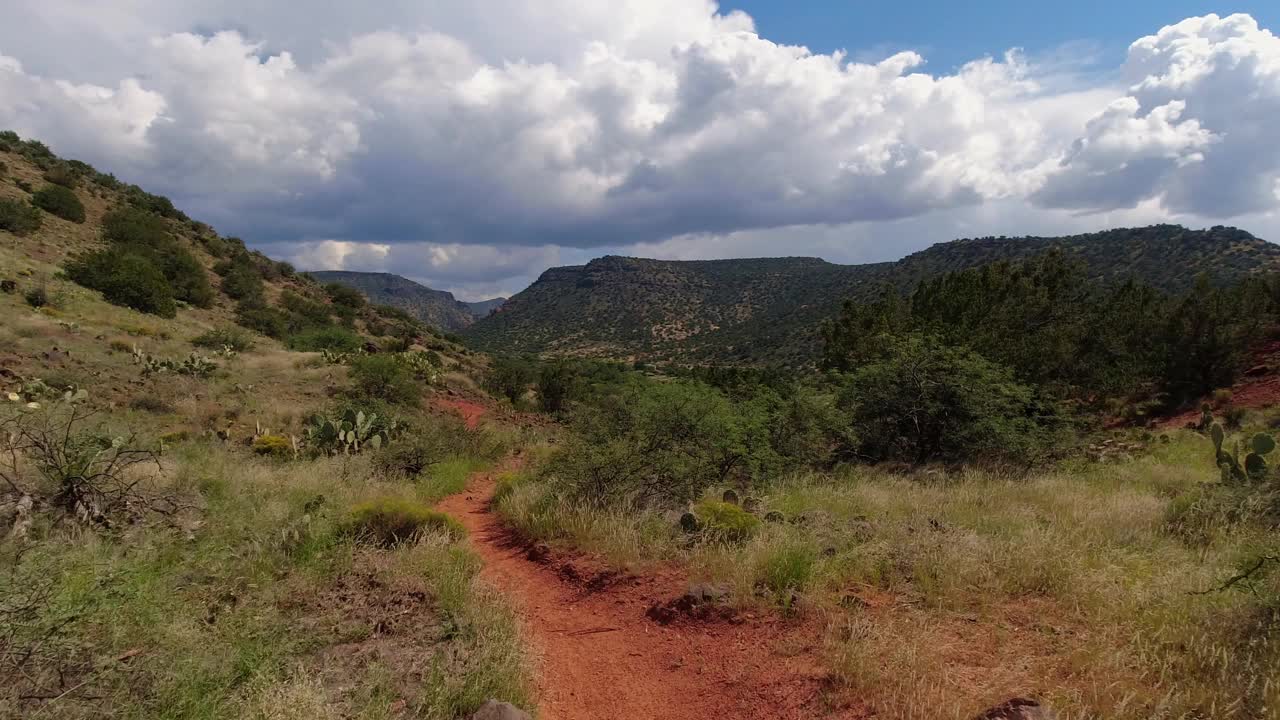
(434, 307)
(769, 310)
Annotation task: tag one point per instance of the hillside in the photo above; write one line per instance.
(768, 310)
(434, 307)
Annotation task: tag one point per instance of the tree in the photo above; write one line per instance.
(929, 401)
(60, 201)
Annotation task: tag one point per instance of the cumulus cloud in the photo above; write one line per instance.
(472, 143)
(1196, 130)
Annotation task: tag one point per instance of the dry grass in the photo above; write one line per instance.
(950, 594)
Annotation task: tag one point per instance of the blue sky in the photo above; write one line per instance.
(949, 32)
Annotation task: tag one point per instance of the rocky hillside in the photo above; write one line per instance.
(434, 307)
(768, 310)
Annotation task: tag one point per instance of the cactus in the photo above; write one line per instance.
(349, 434)
(1254, 467)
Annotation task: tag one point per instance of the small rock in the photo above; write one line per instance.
(730, 497)
(774, 516)
(751, 504)
(494, 710)
(538, 552)
(1017, 709)
(707, 592)
(689, 523)
(1257, 371)
(8, 286)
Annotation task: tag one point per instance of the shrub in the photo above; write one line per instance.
(224, 337)
(62, 175)
(37, 297)
(242, 282)
(391, 521)
(151, 404)
(60, 201)
(262, 319)
(124, 278)
(148, 236)
(726, 521)
(381, 377)
(277, 446)
(324, 338)
(19, 218)
(340, 294)
(510, 377)
(410, 458)
(926, 401)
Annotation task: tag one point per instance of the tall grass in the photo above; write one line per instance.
(944, 594)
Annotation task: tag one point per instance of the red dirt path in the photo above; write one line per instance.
(471, 412)
(599, 656)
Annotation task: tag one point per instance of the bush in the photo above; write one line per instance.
(19, 218)
(277, 446)
(340, 294)
(665, 444)
(242, 282)
(381, 377)
(124, 278)
(726, 521)
(410, 457)
(60, 201)
(148, 236)
(391, 521)
(926, 401)
(262, 319)
(225, 337)
(325, 338)
(151, 404)
(62, 175)
(37, 297)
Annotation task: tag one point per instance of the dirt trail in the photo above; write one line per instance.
(600, 656)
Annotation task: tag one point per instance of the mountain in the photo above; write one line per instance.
(768, 310)
(434, 307)
(484, 307)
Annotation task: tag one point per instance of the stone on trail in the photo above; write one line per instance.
(494, 710)
(1017, 709)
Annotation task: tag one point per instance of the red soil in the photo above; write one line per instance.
(1259, 387)
(600, 656)
(471, 412)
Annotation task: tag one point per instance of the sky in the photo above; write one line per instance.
(472, 145)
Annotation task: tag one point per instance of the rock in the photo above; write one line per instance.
(1257, 371)
(689, 523)
(538, 552)
(1017, 709)
(730, 497)
(8, 286)
(751, 504)
(494, 710)
(707, 592)
(774, 516)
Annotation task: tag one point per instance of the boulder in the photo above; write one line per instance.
(494, 710)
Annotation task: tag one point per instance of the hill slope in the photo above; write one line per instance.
(768, 310)
(434, 307)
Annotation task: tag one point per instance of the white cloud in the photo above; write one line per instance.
(466, 142)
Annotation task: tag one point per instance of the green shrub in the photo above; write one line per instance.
(60, 201)
(411, 457)
(124, 278)
(151, 404)
(262, 319)
(726, 521)
(37, 297)
(324, 338)
(148, 236)
(382, 377)
(340, 294)
(925, 401)
(391, 521)
(224, 337)
(277, 446)
(19, 218)
(242, 282)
